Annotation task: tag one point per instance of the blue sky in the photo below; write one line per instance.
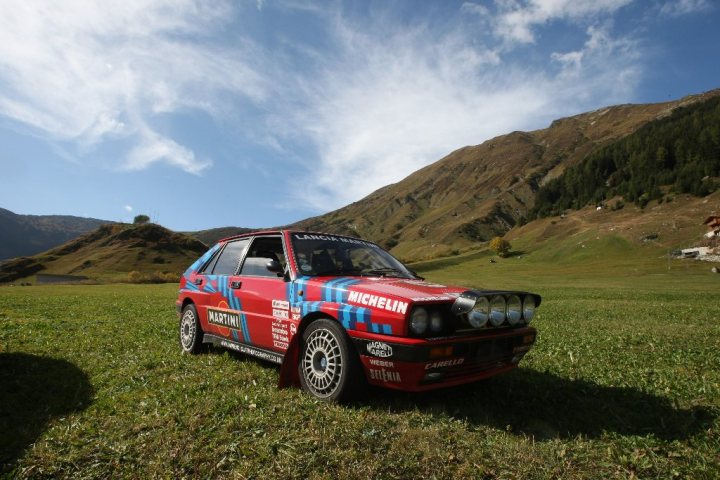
(261, 113)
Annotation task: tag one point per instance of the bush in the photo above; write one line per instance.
(141, 219)
(500, 246)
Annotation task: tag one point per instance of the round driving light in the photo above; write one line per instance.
(514, 310)
(528, 308)
(480, 313)
(436, 322)
(497, 310)
(419, 321)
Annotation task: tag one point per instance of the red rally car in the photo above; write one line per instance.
(337, 311)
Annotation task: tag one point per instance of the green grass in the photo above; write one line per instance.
(623, 382)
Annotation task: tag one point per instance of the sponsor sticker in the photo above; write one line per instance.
(379, 349)
(382, 363)
(385, 375)
(444, 363)
(224, 318)
(282, 314)
(376, 301)
(281, 304)
(252, 351)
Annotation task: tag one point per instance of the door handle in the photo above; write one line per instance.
(235, 284)
(198, 281)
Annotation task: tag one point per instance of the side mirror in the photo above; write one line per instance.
(275, 267)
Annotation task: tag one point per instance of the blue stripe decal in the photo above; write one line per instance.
(342, 287)
(246, 330)
(387, 329)
(346, 317)
(361, 315)
(327, 289)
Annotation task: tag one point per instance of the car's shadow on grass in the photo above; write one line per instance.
(33, 391)
(546, 406)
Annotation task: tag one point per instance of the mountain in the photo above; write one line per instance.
(30, 234)
(477, 192)
(112, 252)
(211, 236)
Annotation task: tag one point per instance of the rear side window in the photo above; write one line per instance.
(229, 259)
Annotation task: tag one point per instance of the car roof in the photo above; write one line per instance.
(279, 232)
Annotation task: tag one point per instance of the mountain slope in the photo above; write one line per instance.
(477, 192)
(110, 253)
(30, 234)
(211, 236)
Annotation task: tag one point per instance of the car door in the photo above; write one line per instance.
(221, 309)
(263, 295)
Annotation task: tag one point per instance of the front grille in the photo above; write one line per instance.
(482, 356)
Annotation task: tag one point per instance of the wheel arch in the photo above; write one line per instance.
(289, 368)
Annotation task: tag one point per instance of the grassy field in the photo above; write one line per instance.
(624, 382)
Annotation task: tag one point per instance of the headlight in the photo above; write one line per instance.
(497, 310)
(514, 310)
(419, 320)
(528, 308)
(480, 313)
(436, 322)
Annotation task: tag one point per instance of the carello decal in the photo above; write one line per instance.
(378, 302)
(224, 318)
(444, 363)
(379, 349)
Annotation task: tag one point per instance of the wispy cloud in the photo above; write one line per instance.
(390, 103)
(364, 106)
(128, 208)
(88, 71)
(517, 20)
(676, 8)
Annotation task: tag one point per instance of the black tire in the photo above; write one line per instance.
(329, 367)
(191, 334)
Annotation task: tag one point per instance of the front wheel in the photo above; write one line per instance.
(328, 367)
(190, 332)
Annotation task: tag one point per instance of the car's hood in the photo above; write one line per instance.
(399, 288)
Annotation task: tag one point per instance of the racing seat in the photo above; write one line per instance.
(322, 262)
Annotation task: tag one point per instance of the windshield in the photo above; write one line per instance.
(319, 255)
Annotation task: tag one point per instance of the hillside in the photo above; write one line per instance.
(595, 248)
(481, 191)
(211, 236)
(22, 235)
(111, 252)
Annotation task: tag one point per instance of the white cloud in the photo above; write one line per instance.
(87, 71)
(676, 8)
(517, 20)
(128, 208)
(397, 102)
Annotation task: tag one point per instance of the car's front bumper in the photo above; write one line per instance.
(414, 364)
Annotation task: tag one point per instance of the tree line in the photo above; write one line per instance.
(681, 151)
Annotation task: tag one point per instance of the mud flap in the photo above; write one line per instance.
(289, 369)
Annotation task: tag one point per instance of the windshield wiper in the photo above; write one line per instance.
(384, 272)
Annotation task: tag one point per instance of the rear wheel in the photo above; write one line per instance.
(190, 332)
(329, 368)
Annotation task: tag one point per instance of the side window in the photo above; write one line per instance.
(260, 252)
(229, 259)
